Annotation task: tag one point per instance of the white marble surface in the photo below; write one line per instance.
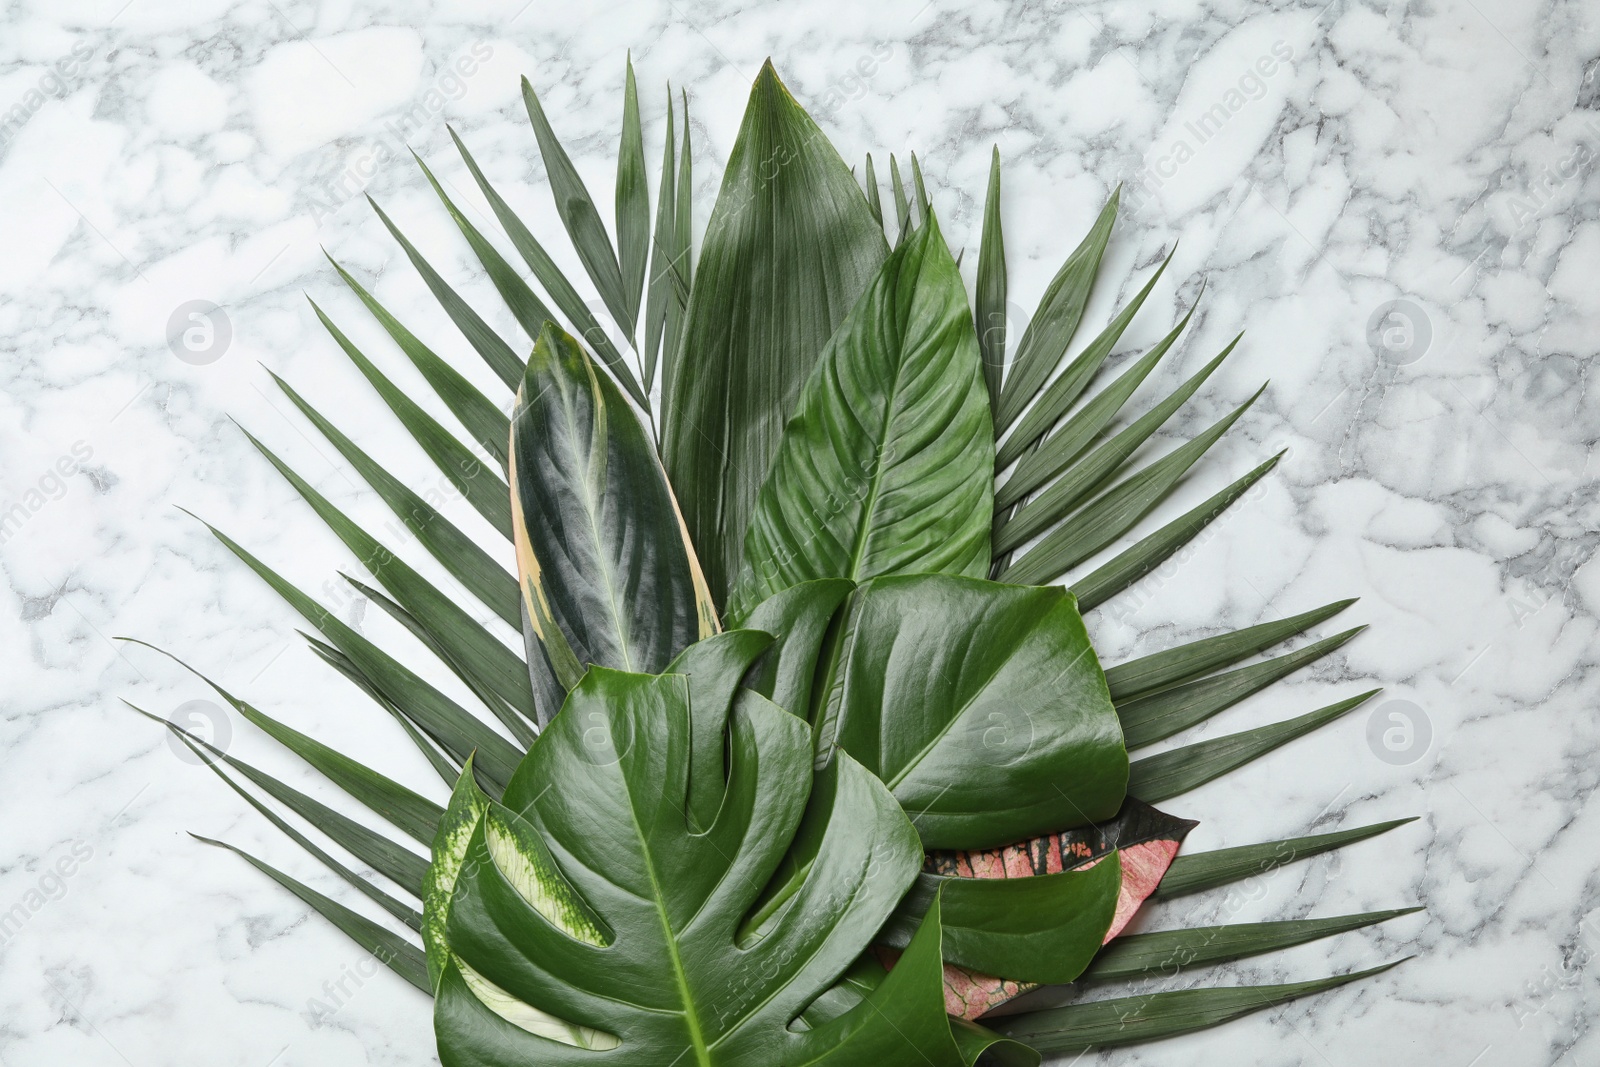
(1443, 154)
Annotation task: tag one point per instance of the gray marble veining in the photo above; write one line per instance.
(1397, 201)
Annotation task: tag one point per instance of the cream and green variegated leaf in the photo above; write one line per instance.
(587, 896)
(790, 246)
(886, 466)
(607, 574)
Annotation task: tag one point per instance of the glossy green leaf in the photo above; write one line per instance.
(632, 202)
(1160, 714)
(1167, 774)
(981, 706)
(589, 880)
(1059, 396)
(1189, 661)
(562, 293)
(790, 246)
(886, 466)
(608, 576)
(1060, 311)
(387, 947)
(1128, 1020)
(991, 298)
(1200, 871)
(578, 215)
(1115, 511)
(1169, 952)
(1149, 552)
(800, 618)
(1042, 928)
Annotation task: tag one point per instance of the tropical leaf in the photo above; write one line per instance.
(588, 880)
(991, 299)
(981, 706)
(789, 248)
(608, 576)
(1208, 870)
(886, 466)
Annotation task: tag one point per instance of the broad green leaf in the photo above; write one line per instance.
(1207, 870)
(1128, 1020)
(1167, 774)
(1059, 396)
(1169, 952)
(633, 201)
(1060, 310)
(1095, 469)
(1042, 928)
(578, 215)
(471, 476)
(991, 320)
(483, 576)
(387, 947)
(1186, 662)
(1149, 552)
(799, 618)
(409, 812)
(1114, 512)
(456, 827)
(589, 882)
(608, 576)
(494, 350)
(663, 252)
(887, 464)
(1160, 714)
(790, 246)
(981, 706)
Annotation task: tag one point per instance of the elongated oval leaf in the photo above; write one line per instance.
(887, 466)
(790, 246)
(607, 574)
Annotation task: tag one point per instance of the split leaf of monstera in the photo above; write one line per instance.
(584, 912)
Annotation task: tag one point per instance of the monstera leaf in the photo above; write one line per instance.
(584, 912)
(887, 466)
(608, 576)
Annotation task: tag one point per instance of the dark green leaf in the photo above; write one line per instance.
(790, 247)
(663, 252)
(981, 706)
(495, 352)
(1115, 511)
(608, 576)
(578, 215)
(1208, 870)
(1128, 1020)
(390, 949)
(1045, 340)
(633, 202)
(887, 465)
(1167, 774)
(800, 618)
(1160, 714)
(1138, 559)
(991, 320)
(1167, 953)
(471, 476)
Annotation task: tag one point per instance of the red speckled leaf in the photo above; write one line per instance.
(1147, 839)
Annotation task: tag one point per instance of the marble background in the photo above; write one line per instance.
(1440, 155)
